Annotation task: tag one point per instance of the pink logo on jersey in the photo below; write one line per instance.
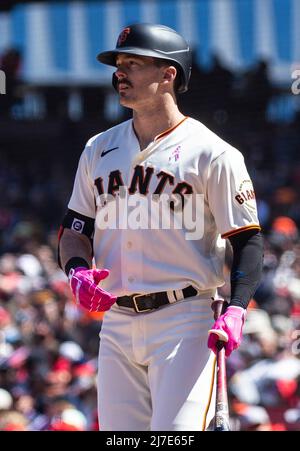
(175, 154)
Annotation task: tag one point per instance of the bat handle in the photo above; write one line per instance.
(222, 414)
(222, 409)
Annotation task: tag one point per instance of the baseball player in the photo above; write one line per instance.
(156, 368)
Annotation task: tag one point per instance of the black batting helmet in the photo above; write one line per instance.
(157, 41)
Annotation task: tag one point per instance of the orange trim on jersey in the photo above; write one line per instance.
(169, 130)
(241, 229)
(210, 394)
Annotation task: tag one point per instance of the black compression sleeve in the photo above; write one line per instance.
(246, 267)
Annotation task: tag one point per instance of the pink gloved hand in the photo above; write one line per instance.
(227, 328)
(87, 293)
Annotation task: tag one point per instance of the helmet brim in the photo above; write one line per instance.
(110, 56)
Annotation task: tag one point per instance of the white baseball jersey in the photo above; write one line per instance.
(187, 159)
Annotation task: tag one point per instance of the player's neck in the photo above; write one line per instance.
(150, 123)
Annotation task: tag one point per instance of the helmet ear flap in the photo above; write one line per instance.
(115, 81)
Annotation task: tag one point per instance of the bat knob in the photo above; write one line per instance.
(221, 334)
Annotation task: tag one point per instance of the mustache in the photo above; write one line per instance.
(124, 81)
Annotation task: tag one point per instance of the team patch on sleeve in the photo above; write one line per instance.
(246, 195)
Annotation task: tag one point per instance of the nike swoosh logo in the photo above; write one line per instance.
(104, 152)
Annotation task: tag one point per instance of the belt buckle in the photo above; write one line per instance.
(134, 297)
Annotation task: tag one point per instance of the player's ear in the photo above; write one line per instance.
(169, 74)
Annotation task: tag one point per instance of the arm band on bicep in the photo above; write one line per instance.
(79, 223)
(246, 267)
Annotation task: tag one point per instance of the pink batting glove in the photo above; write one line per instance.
(227, 328)
(84, 285)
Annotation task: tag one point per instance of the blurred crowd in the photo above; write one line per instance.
(48, 347)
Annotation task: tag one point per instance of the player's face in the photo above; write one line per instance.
(138, 80)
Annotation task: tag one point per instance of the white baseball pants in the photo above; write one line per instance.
(155, 370)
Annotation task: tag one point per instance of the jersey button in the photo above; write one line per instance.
(130, 279)
(129, 245)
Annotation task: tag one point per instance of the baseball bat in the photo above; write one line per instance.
(221, 421)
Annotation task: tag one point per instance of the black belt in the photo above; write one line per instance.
(144, 302)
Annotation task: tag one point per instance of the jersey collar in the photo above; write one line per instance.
(169, 130)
